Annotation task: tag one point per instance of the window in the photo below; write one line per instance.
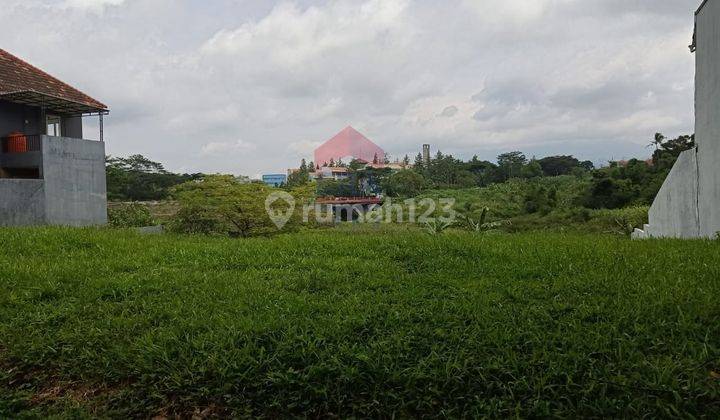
(53, 126)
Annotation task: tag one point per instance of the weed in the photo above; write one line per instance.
(437, 226)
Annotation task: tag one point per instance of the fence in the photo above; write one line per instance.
(21, 143)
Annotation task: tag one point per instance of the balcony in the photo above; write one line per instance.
(21, 143)
(21, 156)
(52, 180)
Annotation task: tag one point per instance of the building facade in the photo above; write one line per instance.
(688, 202)
(48, 173)
(275, 180)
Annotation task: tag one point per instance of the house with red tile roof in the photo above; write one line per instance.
(48, 173)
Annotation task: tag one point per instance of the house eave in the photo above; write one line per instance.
(52, 103)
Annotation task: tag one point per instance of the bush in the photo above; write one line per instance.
(405, 183)
(130, 215)
(195, 220)
(620, 220)
(220, 204)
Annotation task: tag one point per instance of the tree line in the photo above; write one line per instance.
(619, 184)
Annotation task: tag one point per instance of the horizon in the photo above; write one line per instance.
(249, 87)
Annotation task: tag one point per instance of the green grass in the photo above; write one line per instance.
(357, 322)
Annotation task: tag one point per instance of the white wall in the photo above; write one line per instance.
(674, 214)
(707, 116)
(688, 204)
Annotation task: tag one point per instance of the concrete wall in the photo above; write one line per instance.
(75, 182)
(72, 127)
(688, 204)
(674, 214)
(707, 116)
(22, 202)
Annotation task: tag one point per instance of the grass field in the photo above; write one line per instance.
(357, 322)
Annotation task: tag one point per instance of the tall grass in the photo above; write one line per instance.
(365, 321)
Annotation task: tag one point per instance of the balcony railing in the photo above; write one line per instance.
(21, 143)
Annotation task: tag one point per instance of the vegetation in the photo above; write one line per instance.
(405, 183)
(360, 322)
(510, 199)
(529, 194)
(130, 215)
(514, 186)
(137, 178)
(635, 182)
(220, 204)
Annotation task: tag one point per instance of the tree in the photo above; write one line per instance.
(406, 161)
(336, 188)
(485, 172)
(375, 159)
(404, 183)
(670, 150)
(559, 165)
(220, 204)
(610, 193)
(531, 170)
(510, 164)
(137, 178)
(587, 165)
(419, 164)
(657, 141)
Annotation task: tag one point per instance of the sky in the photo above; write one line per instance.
(252, 86)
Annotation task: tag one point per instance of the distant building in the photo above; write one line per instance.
(327, 172)
(348, 144)
(48, 173)
(395, 166)
(426, 154)
(275, 180)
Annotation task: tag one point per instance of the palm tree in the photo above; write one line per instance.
(658, 141)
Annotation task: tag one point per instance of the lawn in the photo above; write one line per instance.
(382, 323)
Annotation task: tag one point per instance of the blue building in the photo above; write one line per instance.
(274, 180)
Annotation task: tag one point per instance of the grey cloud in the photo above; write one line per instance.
(572, 74)
(449, 111)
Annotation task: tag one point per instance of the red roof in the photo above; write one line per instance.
(24, 83)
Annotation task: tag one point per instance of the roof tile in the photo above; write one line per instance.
(17, 75)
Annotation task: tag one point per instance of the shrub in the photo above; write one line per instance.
(196, 220)
(621, 220)
(220, 204)
(437, 226)
(405, 183)
(130, 215)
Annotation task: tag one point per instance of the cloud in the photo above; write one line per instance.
(290, 36)
(227, 148)
(304, 148)
(597, 77)
(449, 111)
(96, 6)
